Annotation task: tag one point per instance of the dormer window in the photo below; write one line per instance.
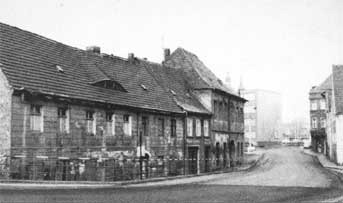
(110, 84)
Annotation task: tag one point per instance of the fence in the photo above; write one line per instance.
(103, 169)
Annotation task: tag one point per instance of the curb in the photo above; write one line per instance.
(331, 170)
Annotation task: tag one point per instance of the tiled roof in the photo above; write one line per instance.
(175, 84)
(200, 77)
(337, 77)
(29, 61)
(326, 85)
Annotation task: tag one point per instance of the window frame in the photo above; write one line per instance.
(63, 118)
(173, 127)
(160, 127)
(36, 118)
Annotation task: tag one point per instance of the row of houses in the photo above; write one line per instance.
(326, 110)
(73, 114)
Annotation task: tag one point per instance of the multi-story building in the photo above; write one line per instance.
(318, 110)
(226, 106)
(333, 95)
(262, 116)
(72, 114)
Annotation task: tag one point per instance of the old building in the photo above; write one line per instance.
(72, 114)
(64, 108)
(318, 120)
(262, 117)
(227, 123)
(333, 95)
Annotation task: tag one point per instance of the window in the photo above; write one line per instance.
(314, 105)
(194, 128)
(189, 127)
(160, 127)
(63, 117)
(322, 104)
(91, 122)
(322, 122)
(36, 118)
(206, 128)
(314, 123)
(145, 126)
(173, 128)
(110, 124)
(127, 119)
(110, 84)
(198, 128)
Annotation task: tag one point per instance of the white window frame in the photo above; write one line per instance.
(64, 120)
(314, 105)
(91, 123)
(127, 125)
(198, 128)
(189, 127)
(37, 118)
(314, 123)
(206, 128)
(111, 125)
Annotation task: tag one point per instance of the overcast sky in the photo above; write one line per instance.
(285, 46)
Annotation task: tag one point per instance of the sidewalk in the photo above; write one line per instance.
(324, 161)
(170, 180)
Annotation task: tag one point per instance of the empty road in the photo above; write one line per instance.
(283, 175)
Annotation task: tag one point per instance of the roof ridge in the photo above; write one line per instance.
(40, 36)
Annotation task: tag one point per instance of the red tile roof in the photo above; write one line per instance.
(29, 61)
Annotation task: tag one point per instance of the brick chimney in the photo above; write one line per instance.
(94, 49)
(166, 54)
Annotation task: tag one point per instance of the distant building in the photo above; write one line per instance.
(318, 110)
(262, 116)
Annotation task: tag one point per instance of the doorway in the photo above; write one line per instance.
(193, 160)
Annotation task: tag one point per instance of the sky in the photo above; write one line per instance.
(283, 46)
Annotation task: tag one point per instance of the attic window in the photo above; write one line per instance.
(143, 86)
(59, 69)
(172, 91)
(110, 84)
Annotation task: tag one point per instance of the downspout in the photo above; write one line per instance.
(184, 142)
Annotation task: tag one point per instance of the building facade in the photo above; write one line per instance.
(262, 116)
(226, 106)
(334, 125)
(318, 116)
(72, 114)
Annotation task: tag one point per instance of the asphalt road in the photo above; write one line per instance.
(284, 175)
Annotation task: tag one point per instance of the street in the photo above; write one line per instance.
(284, 175)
